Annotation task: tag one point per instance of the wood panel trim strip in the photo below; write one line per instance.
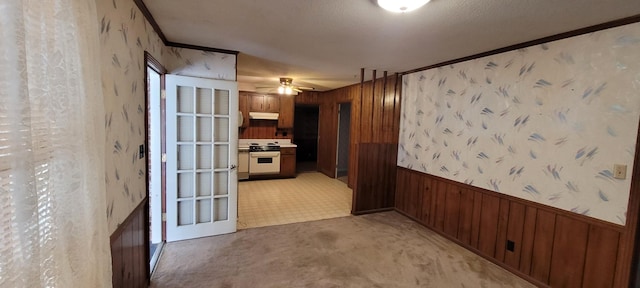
(361, 106)
(373, 104)
(202, 48)
(116, 234)
(580, 31)
(384, 94)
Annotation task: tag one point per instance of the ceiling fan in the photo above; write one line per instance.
(286, 87)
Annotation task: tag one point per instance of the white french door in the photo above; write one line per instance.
(202, 153)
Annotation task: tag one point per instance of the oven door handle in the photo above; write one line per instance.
(265, 155)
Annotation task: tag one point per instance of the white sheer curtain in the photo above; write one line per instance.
(53, 230)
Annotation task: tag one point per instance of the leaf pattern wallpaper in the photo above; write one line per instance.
(204, 64)
(545, 123)
(125, 34)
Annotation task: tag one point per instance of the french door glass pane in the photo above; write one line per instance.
(221, 183)
(185, 99)
(185, 185)
(221, 129)
(204, 211)
(185, 156)
(222, 102)
(185, 129)
(205, 101)
(221, 156)
(203, 185)
(185, 212)
(204, 128)
(203, 156)
(221, 208)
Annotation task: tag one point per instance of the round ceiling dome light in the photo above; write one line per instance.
(401, 6)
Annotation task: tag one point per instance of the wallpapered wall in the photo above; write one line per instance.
(545, 123)
(125, 35)
(204, 64)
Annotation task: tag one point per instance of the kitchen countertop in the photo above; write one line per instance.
(243, 144)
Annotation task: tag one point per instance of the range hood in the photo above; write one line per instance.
(263, 116)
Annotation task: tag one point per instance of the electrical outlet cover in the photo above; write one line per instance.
(619, 171)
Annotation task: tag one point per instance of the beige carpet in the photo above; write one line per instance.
(377, 250)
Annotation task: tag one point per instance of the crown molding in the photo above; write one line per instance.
(147, 15)
(580, 31)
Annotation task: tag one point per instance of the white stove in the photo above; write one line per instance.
(264, 158)
(263, 155)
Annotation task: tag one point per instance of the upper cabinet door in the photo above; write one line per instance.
(271, 103)
(265, 103)
(287, 106)
(256, 103)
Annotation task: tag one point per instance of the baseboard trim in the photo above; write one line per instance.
(477, 252)
(372, 211)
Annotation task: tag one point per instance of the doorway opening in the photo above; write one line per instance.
(342, 157)
(306, 137)
(154, 79)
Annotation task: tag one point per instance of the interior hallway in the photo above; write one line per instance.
(309, 196)
(375, 250)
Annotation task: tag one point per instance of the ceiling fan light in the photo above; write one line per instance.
(288, 90)
(401, 6)
(281, 90)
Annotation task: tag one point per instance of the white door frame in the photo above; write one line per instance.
(155, 155)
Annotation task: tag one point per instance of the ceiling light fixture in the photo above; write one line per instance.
(401, 6)
(285, 86)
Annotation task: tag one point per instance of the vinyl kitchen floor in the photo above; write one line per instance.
(310, 196)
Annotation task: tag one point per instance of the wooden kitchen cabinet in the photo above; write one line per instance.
(243, 105)
(288, 162)
(287, 106)
(265, 103)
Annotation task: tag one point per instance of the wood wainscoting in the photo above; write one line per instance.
(130, 249)
(547, 246)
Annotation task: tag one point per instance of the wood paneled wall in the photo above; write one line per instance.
(376, 183)
(377, 146)
(130, 250)
(326, 107)
(380, 108)
(375, 115)
(264, 129)
(550, 246)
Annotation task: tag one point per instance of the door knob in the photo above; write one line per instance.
(233, 167)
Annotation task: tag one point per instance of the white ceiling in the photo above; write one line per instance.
(324, 43)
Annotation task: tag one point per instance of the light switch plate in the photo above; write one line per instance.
(619, 171)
